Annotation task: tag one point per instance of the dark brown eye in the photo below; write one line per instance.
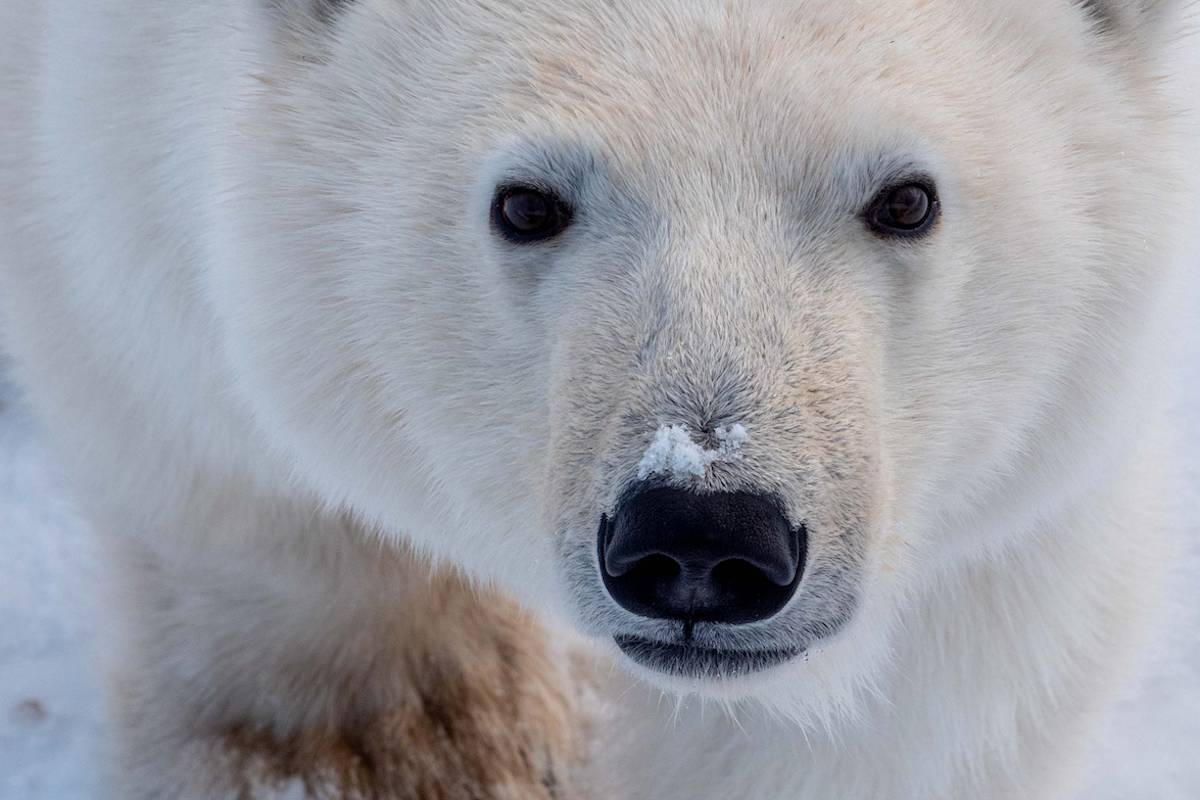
(908, 209)
(524, 214)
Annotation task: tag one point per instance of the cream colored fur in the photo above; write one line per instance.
(249, 282)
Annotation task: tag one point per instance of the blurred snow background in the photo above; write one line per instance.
(49, 708)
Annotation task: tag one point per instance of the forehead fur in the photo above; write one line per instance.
(769, 81)
(705, 54)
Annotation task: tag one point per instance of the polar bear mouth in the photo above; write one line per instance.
(692, 661)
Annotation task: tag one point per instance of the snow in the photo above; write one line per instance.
(675, 454)
(49, 707)
(50, 713)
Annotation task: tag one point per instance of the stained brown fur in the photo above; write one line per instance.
(463, 697)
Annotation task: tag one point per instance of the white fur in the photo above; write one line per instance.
(249, 281)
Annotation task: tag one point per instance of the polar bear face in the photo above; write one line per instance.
(509, 279)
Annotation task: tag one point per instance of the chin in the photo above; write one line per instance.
(691, 661)
(708, 674)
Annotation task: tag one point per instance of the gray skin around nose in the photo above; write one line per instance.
(729, 557)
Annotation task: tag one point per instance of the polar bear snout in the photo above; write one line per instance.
(677, 554)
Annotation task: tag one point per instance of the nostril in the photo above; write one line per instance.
(644, 582)
(745, 571)
(656, 567)
(735, 572)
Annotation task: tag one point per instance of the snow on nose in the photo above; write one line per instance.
(675, 454)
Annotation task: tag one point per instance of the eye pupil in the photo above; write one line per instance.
(906, 210)
(527, 211)
(525, 214)
(908, 205)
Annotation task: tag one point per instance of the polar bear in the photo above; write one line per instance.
(608, 399)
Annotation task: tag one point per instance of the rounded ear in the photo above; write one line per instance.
(302, 27)
(318, 11)
(1143, 22)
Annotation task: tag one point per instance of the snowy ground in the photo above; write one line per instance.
(49, 714)
(50, 729)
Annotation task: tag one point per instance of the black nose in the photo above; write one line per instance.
(722, 557)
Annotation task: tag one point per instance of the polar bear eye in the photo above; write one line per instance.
(904, 210)
(524, 214)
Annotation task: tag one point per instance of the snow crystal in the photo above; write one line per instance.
(674, 453)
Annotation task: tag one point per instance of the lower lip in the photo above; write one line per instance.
(688, 661)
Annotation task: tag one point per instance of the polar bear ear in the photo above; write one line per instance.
(1143, 21)
(310, 11)
(302, 27)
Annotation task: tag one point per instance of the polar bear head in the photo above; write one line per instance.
(721, 328)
